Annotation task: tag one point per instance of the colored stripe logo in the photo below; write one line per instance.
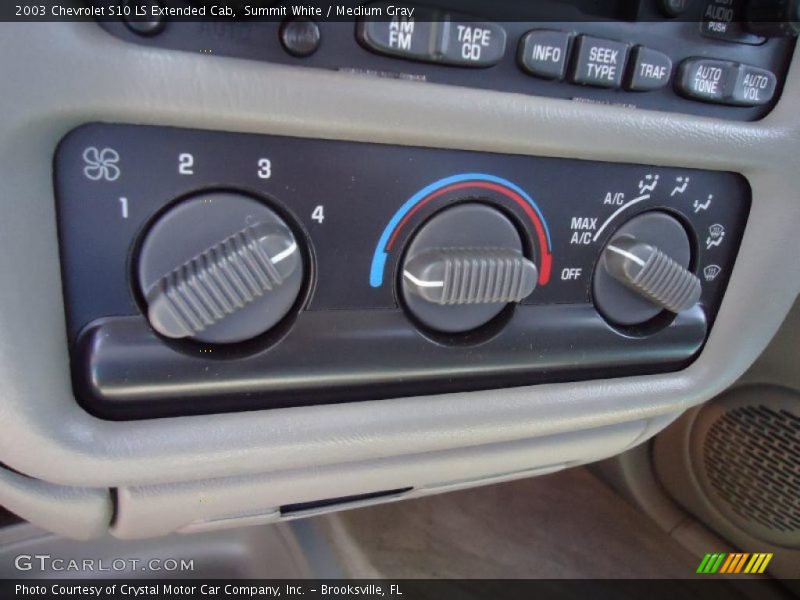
(734, 563)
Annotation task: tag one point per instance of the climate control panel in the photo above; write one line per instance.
(210, 271)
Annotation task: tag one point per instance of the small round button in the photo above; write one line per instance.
(300, 37)
(143, 25)
(674, 8)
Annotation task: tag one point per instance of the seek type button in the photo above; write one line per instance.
(707, 79)
(650, 70)
(471, 44)
(599, 62)
(543, 53)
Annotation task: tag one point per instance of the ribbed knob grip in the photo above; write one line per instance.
(458, 276)
(652, 274)
(221, 281)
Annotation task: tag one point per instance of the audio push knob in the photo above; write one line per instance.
(219, 268)
(774, 18)
(464, 267)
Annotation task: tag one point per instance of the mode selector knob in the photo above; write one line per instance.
(463, 267)
(220, 267)
(643, 270)
(650, 273)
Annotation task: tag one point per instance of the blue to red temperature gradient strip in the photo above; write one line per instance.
(458, 182)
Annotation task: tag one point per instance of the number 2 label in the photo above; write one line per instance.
(186, 164)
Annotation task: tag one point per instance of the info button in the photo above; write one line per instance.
(543, 53)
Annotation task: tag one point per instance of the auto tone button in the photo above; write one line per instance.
(706, 79)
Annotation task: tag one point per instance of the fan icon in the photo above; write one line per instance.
(101, 164)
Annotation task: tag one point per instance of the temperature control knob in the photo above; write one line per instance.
(464, 267)
(643, 270)
(220, 267)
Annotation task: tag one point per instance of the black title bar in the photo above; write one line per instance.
(350, 10)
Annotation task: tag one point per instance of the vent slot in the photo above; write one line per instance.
(342, 501)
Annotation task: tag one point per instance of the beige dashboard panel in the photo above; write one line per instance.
(58, 76)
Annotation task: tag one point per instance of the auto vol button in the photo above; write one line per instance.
(753, 86)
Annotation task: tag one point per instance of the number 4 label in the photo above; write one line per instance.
(319, 214)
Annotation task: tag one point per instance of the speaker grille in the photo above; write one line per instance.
(751, 457)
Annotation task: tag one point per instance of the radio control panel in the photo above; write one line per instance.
(704, 57)
(210, 271)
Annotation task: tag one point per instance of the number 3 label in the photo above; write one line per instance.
(264, 168)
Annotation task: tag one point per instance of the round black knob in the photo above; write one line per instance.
(674, 8)
(774, 18)
(464, 267)
(140, 20)
(300, 37)
(643, 270)
(220, 267)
